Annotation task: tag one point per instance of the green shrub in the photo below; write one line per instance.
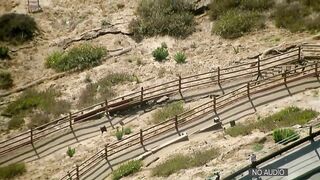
(163, 17)
(80, 57)
(15, 122)
(71, 151)
(160, 54)
(32, 99)
(96, 92)
(287, 117)
(286, 134)
(177, 162)
(168, 111)
(257, 147)
(5, 80)
(4, 52)
(13, 170)
(240, 130)
(236, 23)
(291, 16)
(17, 28)
(180, 57)
(127, 130)
(127, 169)
(119, 134)
(257, 4)
(219, 7)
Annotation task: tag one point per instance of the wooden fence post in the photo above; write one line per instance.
(77, 169)
(31, 136)
(299, 53)
(259, 70)
(219, 75)
(285, 77)
(141, 137)
(176, 124)
(106, 154)
(310, 130)
(70, 122)
(316, 68)
(248, 89)
(69, 174)
(141, 97)
(179, 84)
(215, 104)
(107, 109)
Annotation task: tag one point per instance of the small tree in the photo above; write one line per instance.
(4, 52)
(5, 80)
(71, 151)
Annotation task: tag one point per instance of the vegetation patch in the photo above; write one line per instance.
(80, 57)
(161, 53)
(5, 80)
(4, 52)
(298, 15)
(287, 117)
(163, 17)
(236, 23)
(71, 151)
(126, 169)
(103, 89)
(12, 171)
(177, 162)
(17, 28)
(32, 101)
(180, 57)
(167, 112)
(257, 147)
(285, 135)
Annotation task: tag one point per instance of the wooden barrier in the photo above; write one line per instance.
(187, 118)
(150, 93)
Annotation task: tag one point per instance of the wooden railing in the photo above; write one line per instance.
(218, 76)
(193, 115)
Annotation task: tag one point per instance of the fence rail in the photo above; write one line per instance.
(193, 115)
(218, 76)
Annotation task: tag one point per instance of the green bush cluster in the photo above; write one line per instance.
(285, 134)
(71, 151)
(180, 57)
(235, 23)
(4, 52)
(287, 117)
(80, 57)
(32, 100)
(124, 131)
(161, 53)
(126, 169)
(163, 17)
(98, 91)
(167, 112)
(180, 161)
(237, 17)
(12, 171)
(5, 80)
(220, 7)
(17, 28)
(298, 15)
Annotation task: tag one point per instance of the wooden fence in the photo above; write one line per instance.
(191, 116)
(220, 75)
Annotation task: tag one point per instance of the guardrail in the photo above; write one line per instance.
(218, 76)
(288, 147)
(191, 116)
